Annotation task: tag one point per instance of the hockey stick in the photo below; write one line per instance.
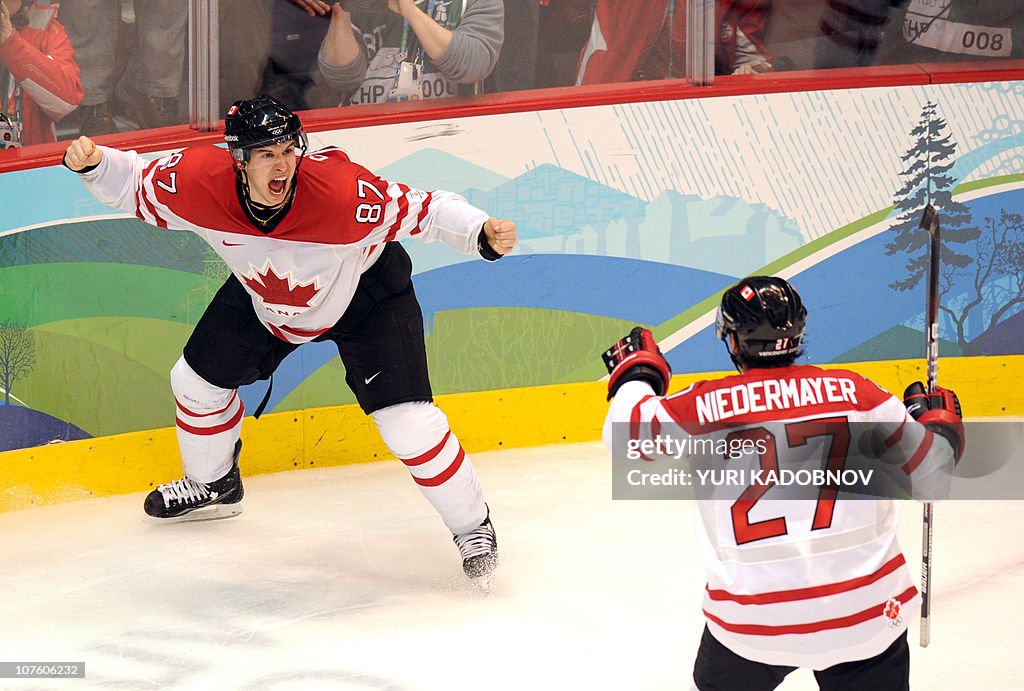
(930, 222)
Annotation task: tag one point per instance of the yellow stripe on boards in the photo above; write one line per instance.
(486, 420)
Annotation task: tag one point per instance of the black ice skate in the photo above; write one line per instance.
(188, 500)
(479, 549)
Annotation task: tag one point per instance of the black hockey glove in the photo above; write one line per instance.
(939, 412)
(637, 357)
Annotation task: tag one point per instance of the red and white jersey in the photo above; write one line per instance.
(798, 582)
(302, 274)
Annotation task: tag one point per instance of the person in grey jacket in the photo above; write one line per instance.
(426, 49)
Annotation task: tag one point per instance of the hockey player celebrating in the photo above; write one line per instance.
(312, 243)
(818, 583)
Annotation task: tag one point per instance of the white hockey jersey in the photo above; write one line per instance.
(301, 275)
(797, 582)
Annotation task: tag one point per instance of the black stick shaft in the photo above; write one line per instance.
(930, 221)
(932, 318)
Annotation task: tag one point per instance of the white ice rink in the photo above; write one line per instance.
(344, 578)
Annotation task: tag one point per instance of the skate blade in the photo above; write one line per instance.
(207, 513)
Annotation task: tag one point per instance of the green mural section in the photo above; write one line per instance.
(109, 241)
(898, 343)
(43, 293)
(499, 348)
(485, 349)
(105, 375)
(324, 387)
(105, 337)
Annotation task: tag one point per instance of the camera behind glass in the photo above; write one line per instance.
(10, 132)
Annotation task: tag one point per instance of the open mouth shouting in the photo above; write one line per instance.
(278, 187)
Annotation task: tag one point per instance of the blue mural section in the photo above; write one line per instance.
(21, 428)
(642, 291)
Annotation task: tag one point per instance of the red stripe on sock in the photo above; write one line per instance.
(429, 455)
(443, 477)
(195, 414)
(208, 431)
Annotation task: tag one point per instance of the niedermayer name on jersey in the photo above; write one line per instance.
(768, 395)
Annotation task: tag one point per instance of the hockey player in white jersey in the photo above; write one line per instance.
(312, 243)
(816, 582)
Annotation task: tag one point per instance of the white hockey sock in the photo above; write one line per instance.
(418, 434)
(209, 422)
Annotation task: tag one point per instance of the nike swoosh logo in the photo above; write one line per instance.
(232, 244)
(370, 379)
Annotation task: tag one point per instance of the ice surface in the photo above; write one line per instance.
(345, 578)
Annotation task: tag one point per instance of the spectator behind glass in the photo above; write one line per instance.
(629, 40)
(291, 74)
(517, 64)
(39, 80)
(243, 28)
(851, 32)
(564, 28)
(425, 50)
(954, 30)
(149, 90)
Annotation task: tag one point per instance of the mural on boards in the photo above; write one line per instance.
(635, 213)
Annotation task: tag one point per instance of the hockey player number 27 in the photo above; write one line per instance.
(797, 434)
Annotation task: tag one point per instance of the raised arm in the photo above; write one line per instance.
(468, 53)
(342, 59)
(387, 211)
(111, 175)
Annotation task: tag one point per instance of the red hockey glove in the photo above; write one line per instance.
(939, 412)
(637, 357)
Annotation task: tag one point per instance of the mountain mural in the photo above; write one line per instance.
(549, 200)
(722, 235)
(430, 169)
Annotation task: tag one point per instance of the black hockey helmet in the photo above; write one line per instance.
(258, 122)
(762, 320)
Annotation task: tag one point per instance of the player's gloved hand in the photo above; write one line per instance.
(637, 357)
(939, 412)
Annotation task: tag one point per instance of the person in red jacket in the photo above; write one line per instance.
(630, 40)
(39, 78)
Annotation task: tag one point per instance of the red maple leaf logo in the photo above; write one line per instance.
(892, 609)
(277, 290)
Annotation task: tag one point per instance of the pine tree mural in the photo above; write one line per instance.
(926, 180)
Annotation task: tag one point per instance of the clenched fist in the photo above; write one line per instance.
(501, 235)
(83, 153)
